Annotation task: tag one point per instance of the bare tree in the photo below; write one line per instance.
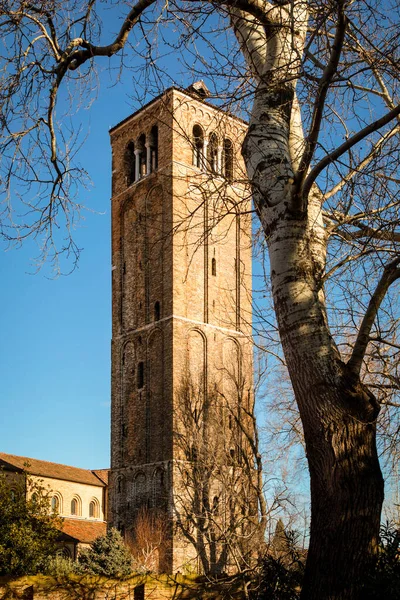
(220, 507)
(321, 154)
(146, 540)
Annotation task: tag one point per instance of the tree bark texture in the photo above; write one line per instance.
(338, 413)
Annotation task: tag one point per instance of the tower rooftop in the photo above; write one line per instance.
(197, 91)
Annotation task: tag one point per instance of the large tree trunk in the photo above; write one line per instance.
(338, 413)
(338, 416)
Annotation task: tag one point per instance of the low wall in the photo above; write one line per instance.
(139, 587)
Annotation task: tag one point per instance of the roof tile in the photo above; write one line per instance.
(44, 468)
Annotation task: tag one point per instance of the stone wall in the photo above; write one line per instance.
(136, 588)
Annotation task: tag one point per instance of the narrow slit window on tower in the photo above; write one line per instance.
(193, 453)
(157, 311)
(140, 375)
(213, 266)
(198, 146)
(216, 505)
(228, 159)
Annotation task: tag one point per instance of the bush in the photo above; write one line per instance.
(278, 581)
(108, 556)
(383, 580)
(282, 570)
(28, 531)
(60, 566)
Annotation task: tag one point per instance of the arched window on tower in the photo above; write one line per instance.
(213, 153)
(154, 149)
(228, 159)
(130, 163)
(141, 155)
(198, 146)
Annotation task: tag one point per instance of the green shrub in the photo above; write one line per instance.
(108, 556)
(383, 579)
(282, 570)
(28, 531)
(60, 566)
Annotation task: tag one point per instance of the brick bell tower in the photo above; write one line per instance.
(181, 330)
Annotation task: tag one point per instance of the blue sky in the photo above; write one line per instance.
(55, 350)
(56, 333)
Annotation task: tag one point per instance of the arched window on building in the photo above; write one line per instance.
(75, 506)
(141, 156)
(130, 163)
(198, 146)
(228, 159)
(154, 149)
(212, 151)
(56, 504)
(94, 511)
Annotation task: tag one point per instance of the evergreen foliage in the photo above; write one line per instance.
(27, 528)
(383, 580)
(282, 569)
(108, 556)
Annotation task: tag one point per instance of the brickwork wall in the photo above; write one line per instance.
(181, 300)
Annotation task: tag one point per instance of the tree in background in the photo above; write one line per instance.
(28, 530)
(147, 540)
(108, 556)
(321, 82)
(219, 507)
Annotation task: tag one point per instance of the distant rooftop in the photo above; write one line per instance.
(84, 531)
(54, 470)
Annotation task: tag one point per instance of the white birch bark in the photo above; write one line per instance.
(337, 412)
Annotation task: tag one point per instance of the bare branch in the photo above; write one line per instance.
(319, 104)
(346, 146)
(390, 274)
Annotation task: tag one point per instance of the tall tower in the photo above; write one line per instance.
(181, 319)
